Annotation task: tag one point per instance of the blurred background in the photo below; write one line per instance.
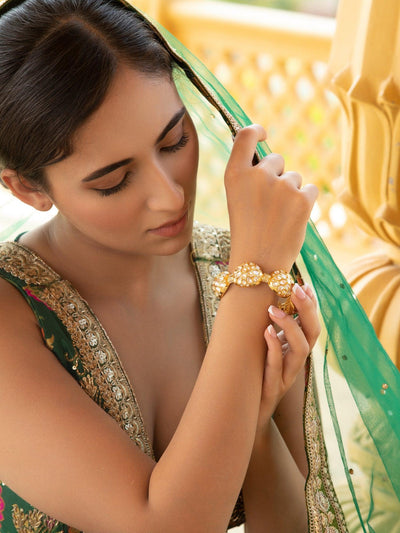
(316, 7)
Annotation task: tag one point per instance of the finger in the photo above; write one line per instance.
(299, 347)
(274, 163)
(245, 145)
(306, 306)
(273, 364)
(293, 334)
(294, 178)
(310, 191)
(281, 333)
(281, 337)
(310, 293)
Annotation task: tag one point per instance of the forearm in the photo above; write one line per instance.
(288, 418)
(206, 461)
(273, 490)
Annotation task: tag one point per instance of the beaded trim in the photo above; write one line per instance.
(325, 514)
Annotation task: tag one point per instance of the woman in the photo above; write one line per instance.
(80, 93)
(91, 122)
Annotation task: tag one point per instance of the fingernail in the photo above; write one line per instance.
(271, 331)
(276, 312)
(299, 292)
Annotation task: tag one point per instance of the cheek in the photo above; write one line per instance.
(100, 215)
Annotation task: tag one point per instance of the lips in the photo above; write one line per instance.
(172, 227)
(172, 222)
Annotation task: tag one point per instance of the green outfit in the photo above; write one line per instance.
(352, 401)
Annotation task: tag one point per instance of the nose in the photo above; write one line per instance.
(164, 193)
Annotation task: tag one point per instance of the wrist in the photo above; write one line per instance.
(267, 260)
(249, 275)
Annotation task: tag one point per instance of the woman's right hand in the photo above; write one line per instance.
(268, 209)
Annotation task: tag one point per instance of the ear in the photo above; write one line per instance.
(25, 191)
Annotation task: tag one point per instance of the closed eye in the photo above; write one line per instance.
(116, 188)
(180, 144)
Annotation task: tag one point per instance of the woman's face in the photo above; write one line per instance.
(130, 182)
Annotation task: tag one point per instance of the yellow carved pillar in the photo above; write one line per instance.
(365, 70)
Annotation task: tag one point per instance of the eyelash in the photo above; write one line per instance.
(113, 190)
(125, 180)
(180, 144)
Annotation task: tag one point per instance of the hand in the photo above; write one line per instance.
(268, 209)
(288, 349)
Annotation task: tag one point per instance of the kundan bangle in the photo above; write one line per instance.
(250, 275)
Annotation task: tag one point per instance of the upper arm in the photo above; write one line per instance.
(58, 449)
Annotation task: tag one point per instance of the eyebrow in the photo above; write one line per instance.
(106, 170)
(173, 122)
(114, 166)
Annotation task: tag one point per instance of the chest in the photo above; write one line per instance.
(160, 349)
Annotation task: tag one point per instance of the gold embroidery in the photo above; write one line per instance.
(211, 249)
(325, 514)
(33, 522)
(91, 388)
(50, 342)
(25, 264)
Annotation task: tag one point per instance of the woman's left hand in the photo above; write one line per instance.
(287, 350)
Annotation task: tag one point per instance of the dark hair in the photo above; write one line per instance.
(57, 60)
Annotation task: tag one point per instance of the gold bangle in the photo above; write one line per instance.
(251, 275)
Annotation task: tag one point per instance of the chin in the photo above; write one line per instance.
(172, 248)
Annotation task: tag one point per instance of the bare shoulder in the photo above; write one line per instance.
(17, 321)
(24, 359)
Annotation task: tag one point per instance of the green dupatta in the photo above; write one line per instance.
(352, 405)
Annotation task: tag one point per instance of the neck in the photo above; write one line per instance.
(98, 272)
